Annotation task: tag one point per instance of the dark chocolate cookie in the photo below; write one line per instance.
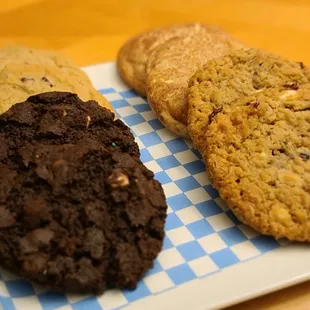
(77, 216)
(60, 118)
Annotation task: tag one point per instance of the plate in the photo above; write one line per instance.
(209, 259)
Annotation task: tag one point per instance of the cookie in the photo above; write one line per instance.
(64, 118)
(170, 68)
(76, 214)
(23, 55)
(133, 55)
(18, 82)
(258, 156)
(222, 81)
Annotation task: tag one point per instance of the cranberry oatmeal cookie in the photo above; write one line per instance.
(258, 156)
(222, 81)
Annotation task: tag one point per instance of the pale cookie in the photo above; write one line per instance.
(28, 56)
(222, 81)
(133, 55)
(18, 82)
(258, 156)
(170, 68)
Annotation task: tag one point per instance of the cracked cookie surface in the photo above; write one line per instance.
(133, 55)
(258, 156)
(170, 67)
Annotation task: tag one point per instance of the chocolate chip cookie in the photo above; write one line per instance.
(78, 212)
(18, 82)
(222, 81)
(258, 156)
(133, 55)
(25, 71)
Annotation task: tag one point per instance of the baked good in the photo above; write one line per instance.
(133, 55)
(76, 214)
(170, 68)
(64, 118)
(242, 73)
(19, 81)
(23, 55)
(258, 156)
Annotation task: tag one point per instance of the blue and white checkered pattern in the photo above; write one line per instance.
(202, 235)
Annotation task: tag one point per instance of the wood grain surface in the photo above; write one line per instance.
(91, 31)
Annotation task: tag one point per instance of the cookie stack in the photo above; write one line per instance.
(248, 113)
(78, 209)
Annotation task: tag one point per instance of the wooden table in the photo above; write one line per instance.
(91, 31)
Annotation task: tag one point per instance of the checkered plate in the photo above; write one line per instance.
(209, 259)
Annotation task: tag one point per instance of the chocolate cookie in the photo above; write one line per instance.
(75, 214)
(63, 118)
(242, 73)
(258, 156)
(19, 81)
